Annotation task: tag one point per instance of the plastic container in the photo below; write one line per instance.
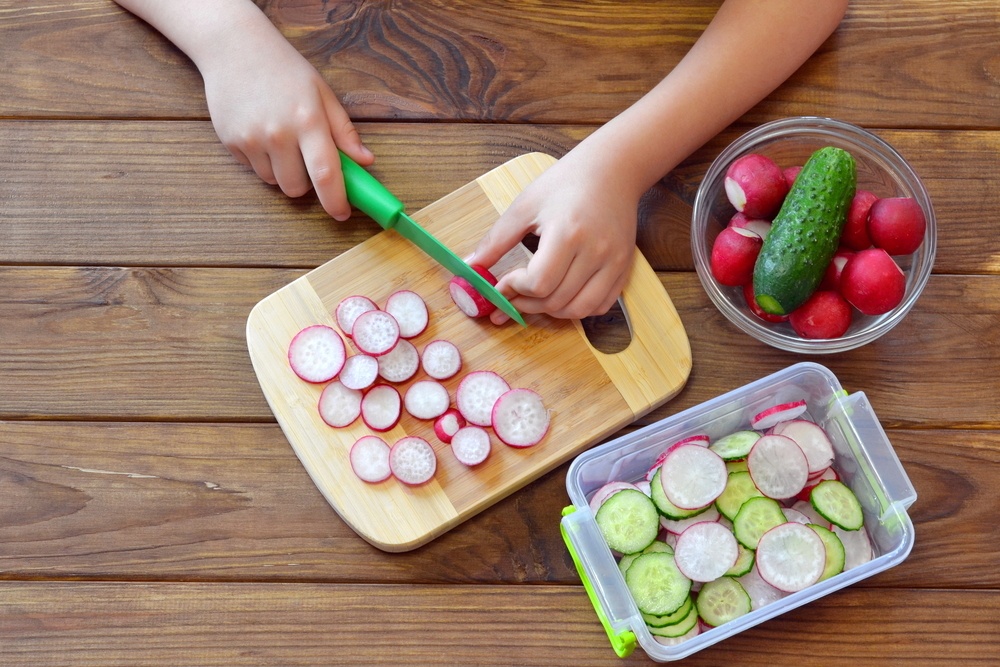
(790, 142)
(864, 459)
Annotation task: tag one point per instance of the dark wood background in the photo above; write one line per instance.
(151, 511)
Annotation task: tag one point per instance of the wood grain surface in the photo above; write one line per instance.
(152, 511)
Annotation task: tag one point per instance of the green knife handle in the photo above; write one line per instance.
(368, 195)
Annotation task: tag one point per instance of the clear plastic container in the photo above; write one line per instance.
(864, 459)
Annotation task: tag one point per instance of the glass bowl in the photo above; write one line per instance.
(790, 142)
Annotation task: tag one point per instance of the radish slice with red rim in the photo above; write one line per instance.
(477, 393)
(338, 405)
(467, 298)
(791, 557)
(427, 399)
(857, 546)
(519, 418)
(606, 491)
(375, 332)
(705, 551)
(317, 353)
(401, 363)
(777, 467)
(693, 476)
(778, 413)
(448, 424)
(370, 459)
(410, 312)
(360, 371)
(471, 445)
(761, 593)
(349, 309)
(678, 526)
(412, 460)
(441, 359)
(811, 439)
(381, 407)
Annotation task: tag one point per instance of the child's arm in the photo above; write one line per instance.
(269, 106)
(584, 207)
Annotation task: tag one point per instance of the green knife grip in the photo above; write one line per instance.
(368, 195)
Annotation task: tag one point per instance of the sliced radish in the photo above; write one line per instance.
(317, 353)
(338, 405)
(381, 407)
(375, 332)
(813, 480)
(777, 466)
(349, 309)
(520, 418)
(467, 298)
(693, 476)
(412, 460)
(410, 312)
(370, 459)
(401, 363)
(448, 424)
(761, 593)
(778, 413)
(471, 445)
(791, 557)
(426, 399)
(441, 359)
(360, 371)
(792, 514)
(700, 439)
(812, 440)
(857, 546)
(805, 508)
(476, 395)
(606, 491)
(678, 526)
(705, 551)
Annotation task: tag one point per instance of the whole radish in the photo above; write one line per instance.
(897, 224)
(756, 185)
(872, 282)
(855, 235)
(733, 256)
(825, 314)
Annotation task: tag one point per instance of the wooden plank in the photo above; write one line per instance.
(516, 61)
(203, 502)
(302, 624)
(166, 193)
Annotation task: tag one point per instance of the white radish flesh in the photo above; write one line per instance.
(778, 467)
(467, 298)
(678, 526)
(338, 405)
(426, 399)
(471, 445)
(519, 418)
(410, 312)
(381, 407)
(693, 476)
(317, 353)
(375, 332)
(705, 551)
(441, 359)
(477, 393)
(412, 460)
(791, 557)
(401, 363)
(811, 439)
(448, 424)
(360, 371)
(370, 459)
(349, 309)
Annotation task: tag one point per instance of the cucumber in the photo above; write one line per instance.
(629, 521)
(805, 233)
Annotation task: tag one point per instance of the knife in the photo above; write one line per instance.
(366, 194)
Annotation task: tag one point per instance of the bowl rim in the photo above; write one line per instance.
(874, 148)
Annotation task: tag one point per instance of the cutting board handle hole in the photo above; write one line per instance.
(608, 333)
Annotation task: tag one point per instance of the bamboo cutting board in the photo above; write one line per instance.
(590, 394)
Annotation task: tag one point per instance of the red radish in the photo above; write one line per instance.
(790, 174)
(693, 476)
(412, 460)
(448, 424)
(791, 557)
(467, 298)
(855, 233)
(370, 459)
(678, 526)
(410, 312)
(381, 407)
(756, 185)
(519, 418)
(477, 393)
(705, 551)
(338, 405)
(831, 279)
(426, 399)
(441, 359)
(471, 445)
(872, 282)
(777, 466)
(349, 309)
(401, 363)
(897, 224)
(733, 256)
(765, 419)
(825, 314)
(360, 371)
(317, 353)
(812, 440)
(606, 491)
(758, 227)
(755, 308)
(375, 332)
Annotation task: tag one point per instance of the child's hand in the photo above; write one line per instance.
(586, 224)
(276, 114)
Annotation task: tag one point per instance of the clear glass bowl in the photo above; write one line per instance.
(790, 142)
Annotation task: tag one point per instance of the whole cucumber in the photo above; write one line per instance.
(806, 232)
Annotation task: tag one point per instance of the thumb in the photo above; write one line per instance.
(509, 230)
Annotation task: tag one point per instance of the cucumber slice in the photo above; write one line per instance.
(836, 556)
(655, 547)
(756, 517)
(744, 562)
(836, 503)
(735, 446)
(653, 621)
(722, 600)
(739, 489)
(656, 584)
(682, 627)
(629, 521)
(663, 504)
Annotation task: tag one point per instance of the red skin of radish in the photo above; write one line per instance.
(756, 186)
(897, 224)
(790, 174)
(349, 309)
(755, 308)
(825, 314)
(443, 425)
(831, 279)
(733, 255)
(872, 282)
(855, 234)
(482, 306)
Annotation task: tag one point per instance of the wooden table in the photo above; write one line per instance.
(152, 512)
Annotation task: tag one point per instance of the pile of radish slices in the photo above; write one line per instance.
(368, 384)
(719, 528)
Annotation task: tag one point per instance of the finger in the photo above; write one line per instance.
(509, 230)
(345, 135)
(322, 162)
(261, 164)
(546, 270)
(290, 170)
